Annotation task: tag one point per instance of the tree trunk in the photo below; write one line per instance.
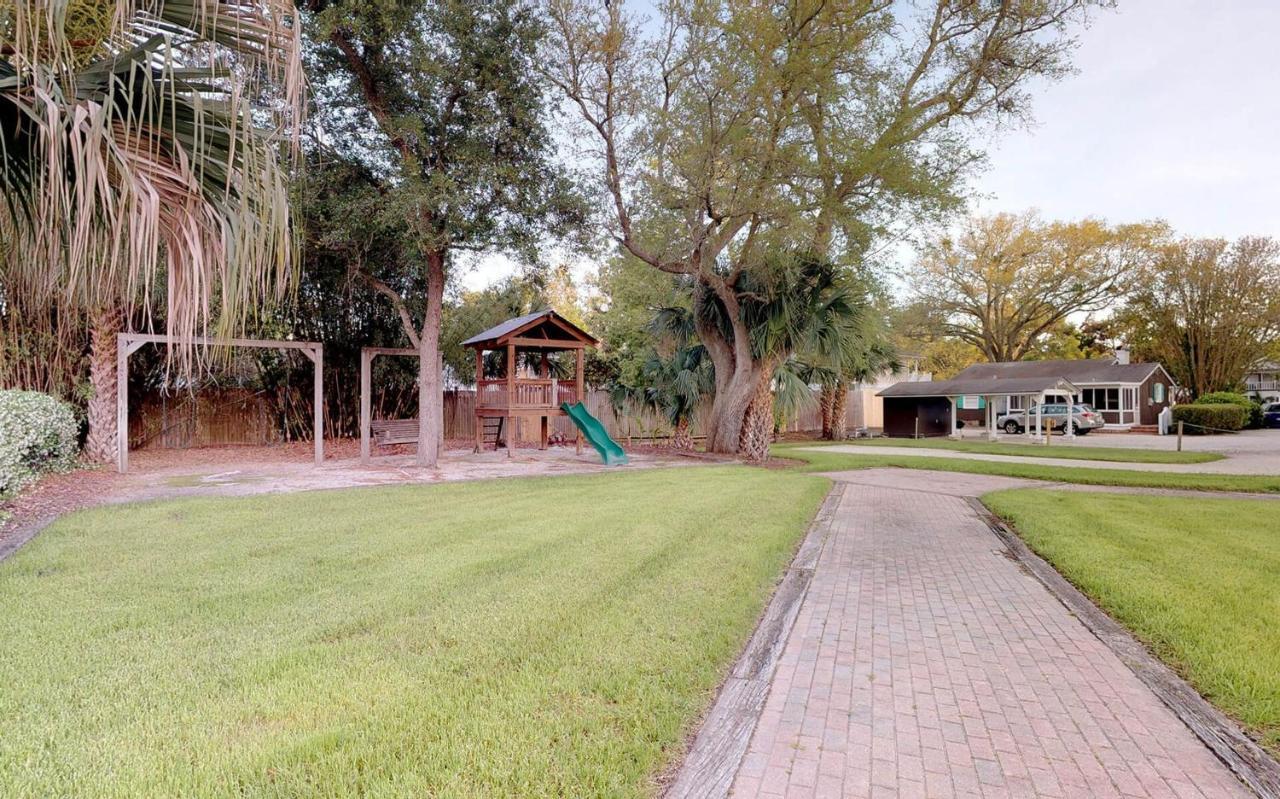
(736, 376)
(430, 379)
(682, 438)
(839, 403)
(827, 400)
(757, 424)
(104, 324)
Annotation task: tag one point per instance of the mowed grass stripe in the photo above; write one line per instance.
(543, 637)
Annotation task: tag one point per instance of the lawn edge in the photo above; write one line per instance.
(1141, 479)
(1250, 763)
(711, 761)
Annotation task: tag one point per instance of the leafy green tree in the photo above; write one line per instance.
(1208, 310)
(627, 294)
(1007, 283)
(134, 163)
(725, 131)
(442, 102)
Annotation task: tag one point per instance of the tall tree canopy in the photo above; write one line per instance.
(132, 161)
(442, 104)
(1004, 283)
(1207, 309)
(729, 131)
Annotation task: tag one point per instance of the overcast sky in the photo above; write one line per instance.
(1174, 114)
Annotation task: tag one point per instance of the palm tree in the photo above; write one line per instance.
(800, 303)
(139, 156)
(674, 381)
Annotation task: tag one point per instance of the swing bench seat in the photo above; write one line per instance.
(385, 432)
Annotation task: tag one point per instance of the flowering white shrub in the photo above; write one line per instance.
(37, 435)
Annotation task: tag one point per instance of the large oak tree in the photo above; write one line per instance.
(726, 133)
(1003, 283)
(442, 102)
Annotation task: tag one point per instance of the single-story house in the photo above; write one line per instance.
(932, 408)
(1263, 381)
(1126, 394)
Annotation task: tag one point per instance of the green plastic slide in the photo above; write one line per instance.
(590, 426)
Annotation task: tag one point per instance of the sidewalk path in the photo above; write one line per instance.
(1245, 463)
(924, 662)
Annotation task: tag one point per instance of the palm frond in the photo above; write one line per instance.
(132, 161)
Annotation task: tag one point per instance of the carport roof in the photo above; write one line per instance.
(982, 387)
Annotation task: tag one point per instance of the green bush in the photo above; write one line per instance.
(1253, 408)
(1222, 398)
(1214, 416)
(37, 435)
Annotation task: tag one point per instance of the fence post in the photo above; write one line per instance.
(1179, 435)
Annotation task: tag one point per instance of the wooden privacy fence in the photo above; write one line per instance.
(203, 419)
(240, 416)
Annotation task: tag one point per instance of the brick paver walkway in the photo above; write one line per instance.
(925, 663)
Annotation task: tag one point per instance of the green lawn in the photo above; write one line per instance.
(1197, 580)
(816, 460)
(552, 637)
(1054, 450)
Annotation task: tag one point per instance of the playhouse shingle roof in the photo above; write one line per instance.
(519, 323)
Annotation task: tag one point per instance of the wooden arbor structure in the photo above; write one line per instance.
(514, 396)
(129, 343)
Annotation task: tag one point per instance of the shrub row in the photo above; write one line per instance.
(1252, 408)
(37, 435)
(1217, 417)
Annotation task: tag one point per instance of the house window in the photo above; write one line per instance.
(1102, 399)
(970, 402)
(1157, 392)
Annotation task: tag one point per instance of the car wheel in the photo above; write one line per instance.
(1011, 427)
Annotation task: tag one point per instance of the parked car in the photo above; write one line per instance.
(1084, 418)
(1271, 414)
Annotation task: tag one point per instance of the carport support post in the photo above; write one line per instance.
(954, 430)
(1071, 412)
(991, 420)
(1040, 416)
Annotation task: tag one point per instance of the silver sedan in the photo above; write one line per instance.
(1084, 418)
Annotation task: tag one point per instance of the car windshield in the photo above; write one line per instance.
(1085, 409)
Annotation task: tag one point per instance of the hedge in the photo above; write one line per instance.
(1223, 398)
(1253, 408)
(37, 435)
(1217, 417)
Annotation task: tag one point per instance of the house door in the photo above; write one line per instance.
(1129, 405)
